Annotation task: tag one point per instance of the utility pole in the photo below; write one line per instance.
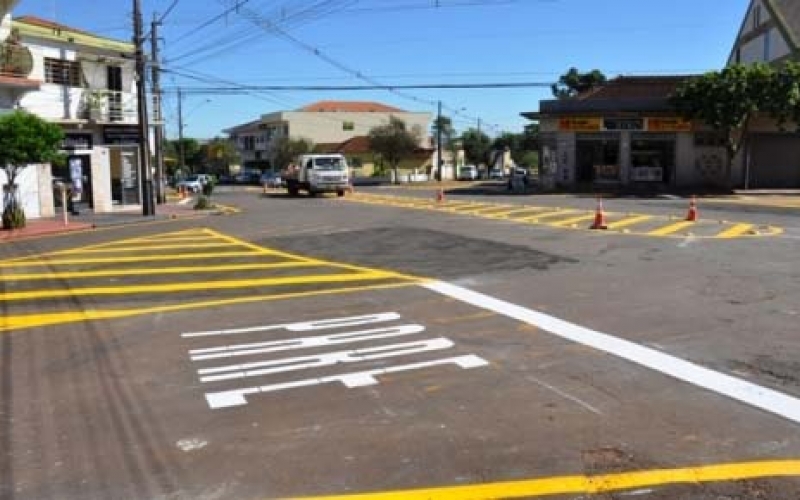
(181, 152)
(157, 104)
(145, 179)
(439, 142)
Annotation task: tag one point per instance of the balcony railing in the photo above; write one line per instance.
(108, 106)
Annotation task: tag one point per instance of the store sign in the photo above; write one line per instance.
(75, 140)
(580, 124)
(668, 125)
(623, 123)
(121, 135)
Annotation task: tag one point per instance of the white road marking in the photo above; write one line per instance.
(735, 388)
(261, 368)
(237, 397)
(565, 395)
(303, 342)
(305, 326)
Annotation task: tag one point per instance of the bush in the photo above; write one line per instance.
(13, 217)
(208, 188)
(203, 203)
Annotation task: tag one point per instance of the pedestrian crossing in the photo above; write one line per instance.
(572, 218)
(166, 273)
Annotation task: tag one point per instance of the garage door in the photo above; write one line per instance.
(775, 161)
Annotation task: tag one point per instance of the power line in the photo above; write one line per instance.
(169, 10)
(416, 86)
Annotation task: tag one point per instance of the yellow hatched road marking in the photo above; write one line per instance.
(194, 286)
(521, 210)
(572, 220)
(139, 258)
(490, 209)
(472, 208)
(300, 258)
(586, 484)
(36, 320)
(147, 248)
(154, 271)
(546, 215)
(736, 230)
(456, 205)
(630, 221)
(155, 241)
(671, 228)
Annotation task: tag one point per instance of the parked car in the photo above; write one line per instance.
(271, 179)
(496, 173)
(468, 173)
(193, 183)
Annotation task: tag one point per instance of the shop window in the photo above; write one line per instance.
(62, 72)
(598, 160)
(652, 160)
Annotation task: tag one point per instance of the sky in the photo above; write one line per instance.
(405, 42)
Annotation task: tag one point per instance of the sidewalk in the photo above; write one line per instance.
(88, 220)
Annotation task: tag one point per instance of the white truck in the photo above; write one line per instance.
(318, 173)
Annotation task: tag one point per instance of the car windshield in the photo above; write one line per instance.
(329, 163)
(192, 178)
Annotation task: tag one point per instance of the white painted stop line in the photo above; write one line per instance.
(741, 390)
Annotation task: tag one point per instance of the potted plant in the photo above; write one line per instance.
(96, 104)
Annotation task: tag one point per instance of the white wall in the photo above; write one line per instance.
(322, 127)
(28, 181)
(58, 102)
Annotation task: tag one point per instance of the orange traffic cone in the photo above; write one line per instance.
(692, 215)
(599, 216)
(440, 196)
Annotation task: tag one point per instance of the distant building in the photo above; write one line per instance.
(770, 33)
(324, 122)
(626, 133)
(84, 83)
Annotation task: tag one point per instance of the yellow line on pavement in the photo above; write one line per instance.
(153, 271)
(8, 323)
(735, 231)
(193, 286)
(629, 221)
(136, 258)
(671, 228)
(546, 215)
(572, 220)
(520, 210)
(300, 258)
(147, 248)
(585, 484)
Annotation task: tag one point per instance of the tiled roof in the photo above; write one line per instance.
(350, 107)
(635, 87)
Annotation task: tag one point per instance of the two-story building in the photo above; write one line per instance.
(324, 122)
(84, 83)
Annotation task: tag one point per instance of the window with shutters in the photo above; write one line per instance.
(62, 72)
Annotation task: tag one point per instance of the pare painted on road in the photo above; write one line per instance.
(383, 327)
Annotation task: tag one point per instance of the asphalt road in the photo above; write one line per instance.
(326, 348)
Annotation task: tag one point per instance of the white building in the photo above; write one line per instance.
(84, 83)
(324, 122)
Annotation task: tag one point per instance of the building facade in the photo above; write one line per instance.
(324, 122)
(770, 33)
(86, 85)
(626, 133)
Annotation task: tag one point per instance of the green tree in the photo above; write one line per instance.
(393, 142)
(573, 82)
(24, 139)
(286, 150)
(727, 100)
(476, 146)
(219, 154)
(192, 154)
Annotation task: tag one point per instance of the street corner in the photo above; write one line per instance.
(599, 220)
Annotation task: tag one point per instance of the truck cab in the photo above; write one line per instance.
(318, 173)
